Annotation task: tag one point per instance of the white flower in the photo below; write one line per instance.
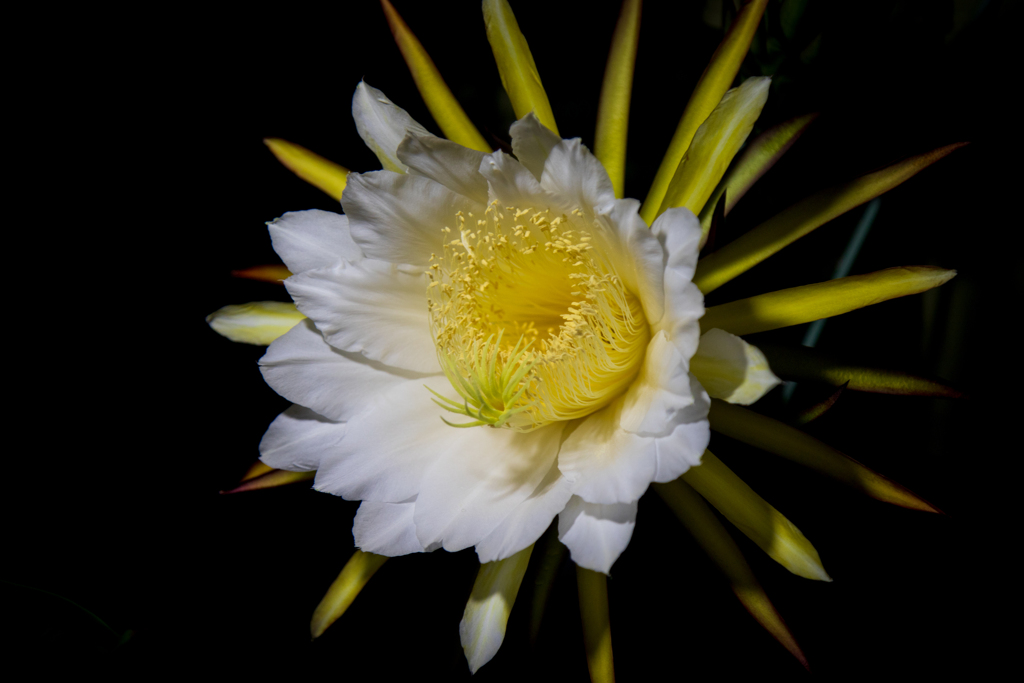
(493, 341)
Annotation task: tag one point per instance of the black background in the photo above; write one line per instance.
(143, 182)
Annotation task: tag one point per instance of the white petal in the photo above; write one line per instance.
(657, 399)
(731, 369)
(305, 369)
(483, 623)
(386, 528)
(257, 322)
(298, 438)
(678, 230)
(682, 449)
(605, 463)
(399, 218)
(574, 173)
(389, 445)
(528, 520)
(532, 142)
(596, 534)
(382, 125)
(644, 271)
(454, 166)
(684, 307)
(479, 480)
(312, 239)
(511, 184)
(371, 307)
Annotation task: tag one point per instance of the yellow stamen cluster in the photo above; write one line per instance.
(530, 321)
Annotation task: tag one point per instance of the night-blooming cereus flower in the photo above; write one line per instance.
(493, 341)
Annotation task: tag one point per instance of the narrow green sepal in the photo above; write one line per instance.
(789, 442)
(270, 480)
(799, 364)
(819, 408)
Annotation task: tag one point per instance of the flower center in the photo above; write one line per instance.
(530, 321)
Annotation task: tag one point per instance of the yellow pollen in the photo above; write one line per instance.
(531, 332)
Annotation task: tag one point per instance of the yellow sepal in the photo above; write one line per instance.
(483, 623)
(731, 369)
(258, 468)
(713, 84)
(268, 273)
(443, 106)
(758, 520)
(798, 305)
(258, 322)
(747, 251)
(816, 410)
(715, 144)
(801, 363)
(713, 537)
(270, 479)
(759, 156)
(353, 577)
(613, 109)
(788, 442)
(552, 555)
(313, 168)
(597, 631)
(516, 67)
